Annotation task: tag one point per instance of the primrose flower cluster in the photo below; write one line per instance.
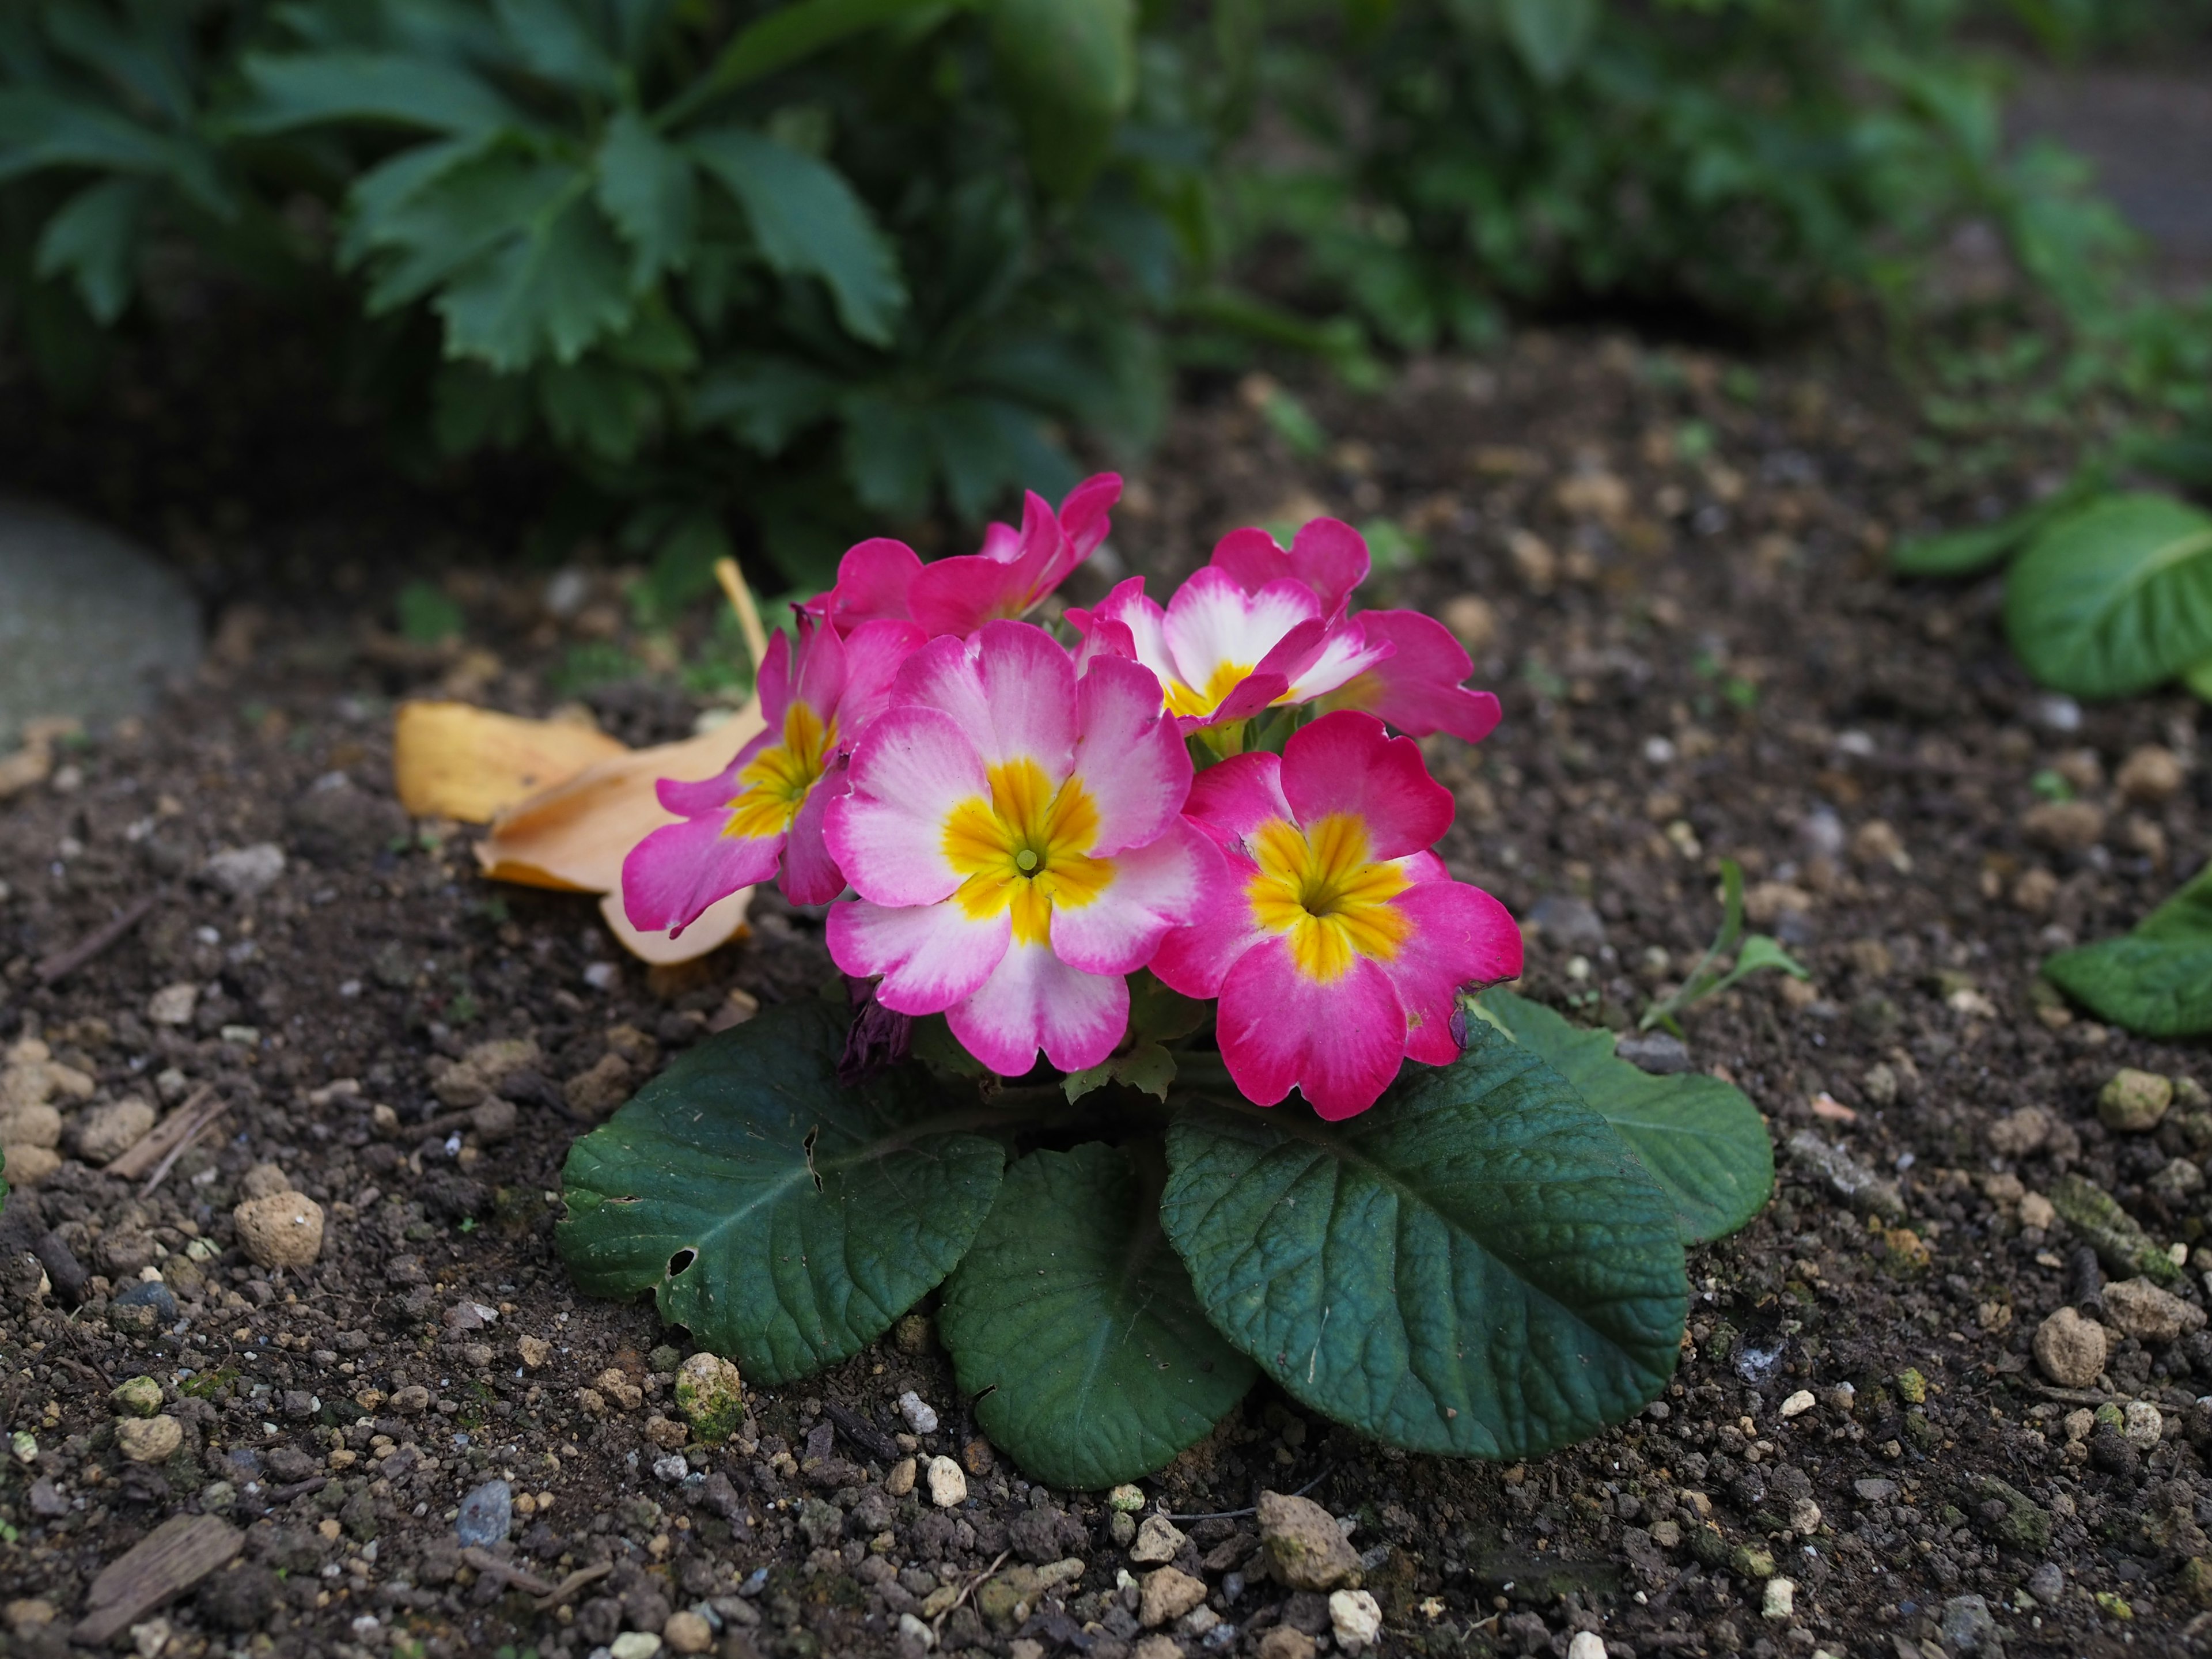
(1007, 826)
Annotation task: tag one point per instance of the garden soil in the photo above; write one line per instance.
(1670, 566)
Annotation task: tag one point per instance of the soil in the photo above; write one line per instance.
(1671, 568)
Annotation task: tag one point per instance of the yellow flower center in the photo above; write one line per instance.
(776, 780)
(1204, 700)
(1321, 889)
(1025, 849)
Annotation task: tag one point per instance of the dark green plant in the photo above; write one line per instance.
(1715, 973)
(2157, 980)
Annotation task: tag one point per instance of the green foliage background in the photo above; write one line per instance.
(819, 265)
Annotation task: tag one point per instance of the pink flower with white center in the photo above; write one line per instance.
(883, 578)
(1015, 837)
(1410, 669)
(1334, 938)
(766, 808)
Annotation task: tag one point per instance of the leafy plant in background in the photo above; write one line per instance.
(2157, 980)
(1181, 855)
(833, 257)
(1756, 159)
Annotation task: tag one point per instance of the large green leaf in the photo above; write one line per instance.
(551, 291)
(2199, 679)
(555, 41)
(1476, 1265)
(425, 224)
(2116, 598)
(1075, 1328)
(785, 1218)
(1069, 69)
(1550, 36)
(400, 88)
(2156, 981)
(808, 221)
(91, 240)
(39, 129)
(646, 186)
(1700, 1138)
(792, 33)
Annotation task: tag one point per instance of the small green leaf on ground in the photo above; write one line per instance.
(1701, 1139)
(1076, 1325)
(2116, 598)
(783, 1217)
(1477, 1266)
(427, 617)
(2156, 981)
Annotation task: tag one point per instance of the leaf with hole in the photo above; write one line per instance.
(2156, 981)
(782, 1218)
(1074, 1325)
(1700, 1138)
(2116, 598)
(1477, 1265)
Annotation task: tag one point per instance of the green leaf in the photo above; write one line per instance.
(597, 406)
(784, 1218)
(2116, 598)
(2156, 981)
(808, 221)
(646, 187)
(795, 32)
(91, 240)
(39, 130)
(2199, 679)
(1963, 552)
(399, 88)
(888, 454)
(1477, 1265)
(1550, 36)
(427, 615)
(1700, 1138)
(766, 401)
(1761, 951)
(1069, 70)
(552, 290)
(555, 44)
(1077, 1326)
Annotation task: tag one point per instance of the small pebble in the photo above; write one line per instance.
(2071, 1349)
(635, 1644)
(948, 1486)
(140, 1396)
(919, 1416)
(1587, 1644)
(486, 1514)
(1354, 1619)
(1128, 1499)
(1798, 1403)
(1780, 1599)
(687, 1633)
(149, 1439)
(899, 1481)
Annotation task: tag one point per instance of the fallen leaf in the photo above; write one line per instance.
(451, 760)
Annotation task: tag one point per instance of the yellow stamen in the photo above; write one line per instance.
(1321, 889)
(1194, 700)
(775, 782)
(1026, 849)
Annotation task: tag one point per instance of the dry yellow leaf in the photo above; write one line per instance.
(451, 760)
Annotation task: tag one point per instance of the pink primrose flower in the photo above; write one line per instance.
(883, 578)
(766, 808)
(1015, 837)
(1332, 937)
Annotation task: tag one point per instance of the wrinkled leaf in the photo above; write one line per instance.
(1550, 36)
(1069, 69)
(782, 1218)
(2156, 981)
(1700, 1138)
(810, 222)
(1076, 1325)
(646, 186)
(1477, 1265)
(2116, 598)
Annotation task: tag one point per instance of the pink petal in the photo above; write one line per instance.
(1344, 654)
(1212, 623)
(1130, 759)
(873, 581)
(774, 682)
(888, 836)
(1083, 513)
(811, 875)
(1154, 889)
(1341, 1043)
(713, 795)
(1034, 1000)
(1417, 688)
(1348, 762)
(669, 878)
(931, 956)
(875, 652)
(1329, 556)
(1460, 936)
(959, 595)
(1231, 800)
(1196, 959)
(1141, 623)
(1011, 688)
(820, 663)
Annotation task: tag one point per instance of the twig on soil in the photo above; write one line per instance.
(170, 1137)
(484, 1561)
(968, 1588)
(63, 964)
(1238, 1515)
(862, 1433)
(566, 1588)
